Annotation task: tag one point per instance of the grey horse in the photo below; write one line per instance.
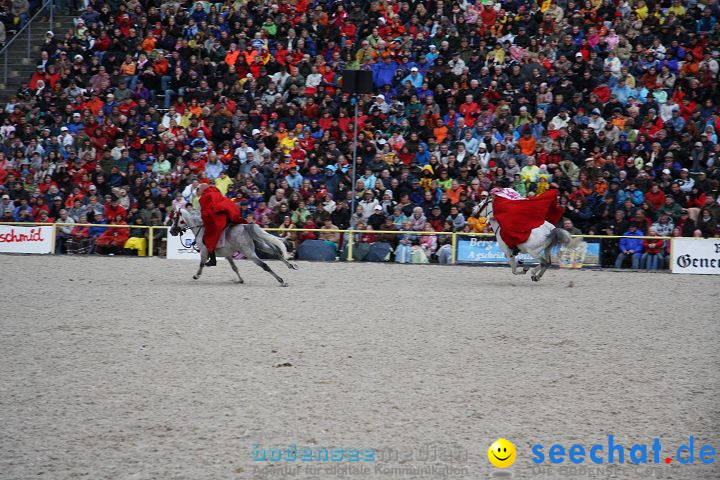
(237, 238)
(539, 245)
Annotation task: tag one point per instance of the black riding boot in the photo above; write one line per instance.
(515, 251)
(212, 261)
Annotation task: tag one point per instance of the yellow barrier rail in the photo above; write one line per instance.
(102, 225)
(350, 237)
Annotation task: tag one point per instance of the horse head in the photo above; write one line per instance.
(484, 207)
(184, 219)
(175, 228)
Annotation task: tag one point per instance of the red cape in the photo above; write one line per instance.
(216, 211)
(517, 218)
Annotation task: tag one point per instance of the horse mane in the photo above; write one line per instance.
(191, 211)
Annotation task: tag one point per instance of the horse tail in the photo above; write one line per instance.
(561, 237)
(266, 242)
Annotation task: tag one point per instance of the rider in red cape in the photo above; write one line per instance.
(517, 218)
(217, 210)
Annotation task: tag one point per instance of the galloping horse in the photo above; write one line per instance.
(539, 244)
(238, 238)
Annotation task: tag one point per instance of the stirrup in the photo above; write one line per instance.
(212, 261)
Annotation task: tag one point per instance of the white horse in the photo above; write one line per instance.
(539, 245)
(243, 238)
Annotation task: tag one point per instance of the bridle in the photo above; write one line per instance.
(178, 230)
(485, 203)
(482, 206)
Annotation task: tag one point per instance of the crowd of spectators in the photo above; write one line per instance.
(613, 102)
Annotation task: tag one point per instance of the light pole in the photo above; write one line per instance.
(354, 167)
(356, 83)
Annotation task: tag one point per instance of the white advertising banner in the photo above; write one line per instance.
(696, 255)
(181, 248)
(14, 239)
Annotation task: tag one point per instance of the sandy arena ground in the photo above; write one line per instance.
(125, 368)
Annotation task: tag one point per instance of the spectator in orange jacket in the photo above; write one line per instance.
(527, 143)
(232, 55)
(440, 131)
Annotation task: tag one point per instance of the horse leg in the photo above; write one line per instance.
(281, 257)
(290, 265)
(203, 258)
(235, 269)
(545, 261)
(514, 262)
(544, 265)
(513, 265)
(525, 268)
(511, 257)
(279, 254)
(252, 256)
(539, 247)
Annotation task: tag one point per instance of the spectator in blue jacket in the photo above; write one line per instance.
(415, 78)
(76, 124)
(622, 145)
(630, 247)
(22, 211)
(95, 232)
(294, 179)
(706, 23)
(384, 72)
(631, 192)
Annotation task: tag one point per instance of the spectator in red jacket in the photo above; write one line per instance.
(655, 196)
(653, 252)
(113, 209)
(114, 238)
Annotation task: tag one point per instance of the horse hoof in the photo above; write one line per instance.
(284, 284)
(239, 282)
(195, 277)
(534, 278)
(294, 266)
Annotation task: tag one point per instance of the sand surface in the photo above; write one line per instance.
(126, 368)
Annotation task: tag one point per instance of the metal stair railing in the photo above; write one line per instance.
(46, 5)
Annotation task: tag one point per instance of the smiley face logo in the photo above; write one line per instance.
(502, 453)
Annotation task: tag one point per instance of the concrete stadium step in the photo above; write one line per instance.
(35, 39)
(21, 43)
(61, 26)
(20, 65)
(20, 76)
(24, 67)
(20, 62)
(20, 55)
